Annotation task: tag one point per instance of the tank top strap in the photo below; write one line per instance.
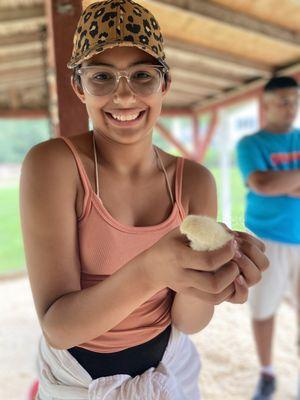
(178, 185)
(82, 173)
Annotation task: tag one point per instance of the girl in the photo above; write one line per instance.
(116, 287)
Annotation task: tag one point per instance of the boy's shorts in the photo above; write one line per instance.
(280, 279)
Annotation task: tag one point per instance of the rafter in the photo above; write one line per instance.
(216, 59)
(224, 15)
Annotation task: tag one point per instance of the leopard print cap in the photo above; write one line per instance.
(107, 24)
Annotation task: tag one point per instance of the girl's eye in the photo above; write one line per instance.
(142, 75)
(102, 77)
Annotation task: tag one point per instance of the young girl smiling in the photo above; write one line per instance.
(116, 286)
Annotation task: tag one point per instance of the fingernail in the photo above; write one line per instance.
(235, 244)
(240, 280)
(238, 254)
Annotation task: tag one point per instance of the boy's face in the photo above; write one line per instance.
(123, 103)
(282, 106)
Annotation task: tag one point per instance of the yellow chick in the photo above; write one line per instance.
(204, 233)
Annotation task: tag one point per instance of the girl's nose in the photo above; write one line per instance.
(123, 93)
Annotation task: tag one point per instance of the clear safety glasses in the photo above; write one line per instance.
(101, 80)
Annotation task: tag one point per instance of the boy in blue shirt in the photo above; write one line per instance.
(269, 161)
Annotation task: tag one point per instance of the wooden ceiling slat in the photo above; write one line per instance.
(214, 83)
(183, 25)
(20, 26)
(21, 65)
(15, 40)
(226, 16)
(236, 93)
(177, 60)
(21, 49)
(190, 88)
(35, 81)
(218, 60)
(19, 56)
(285, 14)
(23, 13)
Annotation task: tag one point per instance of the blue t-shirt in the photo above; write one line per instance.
(271, 217)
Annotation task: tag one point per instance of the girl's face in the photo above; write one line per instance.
(123, 116)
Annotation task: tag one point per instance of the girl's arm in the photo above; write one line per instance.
(68, 315)
(190, 314)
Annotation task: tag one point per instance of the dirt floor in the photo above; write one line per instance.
(228, 356)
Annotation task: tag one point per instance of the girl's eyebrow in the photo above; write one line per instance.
(95, 64)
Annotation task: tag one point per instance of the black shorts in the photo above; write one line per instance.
(132, 361)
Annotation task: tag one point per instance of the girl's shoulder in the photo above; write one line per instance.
(53, 162)
(198, 186)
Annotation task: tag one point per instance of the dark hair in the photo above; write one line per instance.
(76, 76)
(280, 82)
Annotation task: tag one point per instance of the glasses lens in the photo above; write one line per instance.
(99, 81)
(145, 80)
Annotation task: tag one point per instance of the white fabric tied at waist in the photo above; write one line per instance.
(175, 378)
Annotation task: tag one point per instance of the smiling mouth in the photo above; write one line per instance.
(126, 119)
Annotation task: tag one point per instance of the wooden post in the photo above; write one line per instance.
(261, 111)
(68, 114)
(168, 136)
(209, 135)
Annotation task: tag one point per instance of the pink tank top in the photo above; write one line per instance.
(105, 245)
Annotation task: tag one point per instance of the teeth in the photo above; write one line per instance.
(125, 117)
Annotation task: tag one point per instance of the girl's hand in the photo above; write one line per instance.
(208, 275)
(241, 291)
(252, 260)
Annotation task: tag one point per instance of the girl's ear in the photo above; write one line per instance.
(166, 84)
(77, 89)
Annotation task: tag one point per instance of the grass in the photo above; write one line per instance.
(11, 247)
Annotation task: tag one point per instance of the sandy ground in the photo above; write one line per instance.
(229, 362)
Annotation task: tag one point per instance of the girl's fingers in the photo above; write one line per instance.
(249, 269)
(254, 253)
(211, 298)
(241, 291)
(212, 282)
(244, 236)
(210, 260)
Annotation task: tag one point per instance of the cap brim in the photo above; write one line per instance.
(89, 53)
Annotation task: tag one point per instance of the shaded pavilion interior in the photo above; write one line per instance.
(221, 52)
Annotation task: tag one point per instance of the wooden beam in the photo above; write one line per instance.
(190, 27)
(177, 112)
(69, 115)
(241, 93)
(225, 15)
(24, 114)
(168, 136)
(208, 137)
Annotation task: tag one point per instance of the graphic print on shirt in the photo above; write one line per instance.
(287, 159)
